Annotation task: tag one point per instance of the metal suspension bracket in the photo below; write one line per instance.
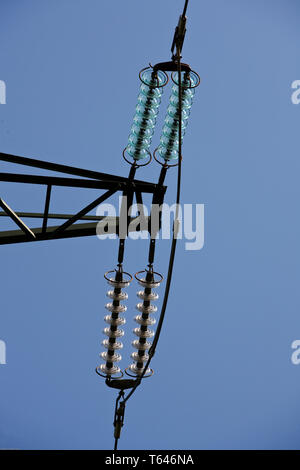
(70, 228)
(179, 36)
(120, 384)
(119, 417)
(171, 66)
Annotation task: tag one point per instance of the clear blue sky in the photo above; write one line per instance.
(223, 375)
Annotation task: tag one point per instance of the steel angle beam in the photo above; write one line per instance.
(108, 225)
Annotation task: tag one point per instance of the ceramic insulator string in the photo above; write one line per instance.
(144, 320)
(112, 344)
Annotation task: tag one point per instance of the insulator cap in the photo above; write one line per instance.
(152, 296)
(143, 334)
(135, 355)
(138, 371)
(113, 334)
(120, 284)
(121, 296)
(187, 82)
(115, 345)
(142, 346)
(151, 285)
(114, 321)
(146, 77)
(109, 371)
(111, 358)
(145, 321)
(150, 309)
(116, 308)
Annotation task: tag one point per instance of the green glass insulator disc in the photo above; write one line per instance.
(137, 154)
(144, 123)
(140, 131)
(138, 141)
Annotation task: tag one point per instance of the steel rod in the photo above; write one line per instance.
(74, 231)
(40, 215)
(77, 183)
(46, 210)
(16, 219)
(85, 210)
(64, 168)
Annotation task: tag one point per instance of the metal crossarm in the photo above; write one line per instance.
(71, 170)
(111, 225)
(88, 179)
(78, 183)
